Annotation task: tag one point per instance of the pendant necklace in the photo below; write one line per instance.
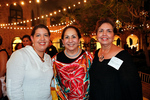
(72, 55)
(101, 57)
(42, 58)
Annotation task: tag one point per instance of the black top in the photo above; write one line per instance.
(108, 83)
(51, 50)
(6, 52)
(63, 58)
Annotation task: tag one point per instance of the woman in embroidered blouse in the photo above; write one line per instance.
(113, 75)
(71, 67)
(29, 70)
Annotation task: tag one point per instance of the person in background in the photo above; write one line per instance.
(51, 50)
(3, 60)
(26, 40)
(113, 75)
(18, 46)
(29, 70)
(71, 67)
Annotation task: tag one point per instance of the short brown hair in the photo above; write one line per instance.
(105, 20)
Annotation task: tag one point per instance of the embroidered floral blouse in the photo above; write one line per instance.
(72, 79)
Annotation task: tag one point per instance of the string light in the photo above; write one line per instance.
(24, 28)
(28, 20)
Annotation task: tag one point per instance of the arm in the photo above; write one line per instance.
(130, 80)
(15, 76)
(3, 60)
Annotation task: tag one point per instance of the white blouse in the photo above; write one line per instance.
(28, 78)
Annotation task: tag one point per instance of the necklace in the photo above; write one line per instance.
(42, 58)
(72, 55)
(101, 57)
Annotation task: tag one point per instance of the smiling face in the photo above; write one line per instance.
(71, 40)
(105, 34)
(26, 41)
(40, 39)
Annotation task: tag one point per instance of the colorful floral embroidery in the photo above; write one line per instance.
(72, 80)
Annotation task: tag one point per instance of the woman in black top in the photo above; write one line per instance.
(113, 75)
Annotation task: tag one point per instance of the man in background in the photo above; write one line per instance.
(51, 50)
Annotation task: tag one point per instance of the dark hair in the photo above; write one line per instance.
(105, 20)
(76, 29)
(16, 47)
(1, 40)
(26, 36)
(40, 26)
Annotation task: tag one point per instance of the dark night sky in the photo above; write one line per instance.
(54, 5)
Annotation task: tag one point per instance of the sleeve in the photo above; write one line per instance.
(130, 80)
(15, 76)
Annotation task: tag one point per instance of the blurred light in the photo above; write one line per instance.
(22, 3)
(79, 3)
(15, 4)
(50, 14)
(55, 12)
(59, 10)
(64, 9)
(74, 5)
(38, 1)
(84, 1)
(7, 4)
(69, 7)
(30, 1)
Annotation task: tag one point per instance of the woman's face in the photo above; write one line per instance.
(105, 34)
(71, 40)
(40, 39)
(26, 41)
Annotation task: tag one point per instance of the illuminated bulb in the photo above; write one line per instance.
(27, 20)
(74, 5)
(10, 27)
(55, 12)
(7, 4)
(42, 17)
(79, 3)
(59, 10)
(64, 9)
(38, 1)
(30, 19)
(21, 22)
(38, 18)
(15, 4)
(69, 7)
(84, 1)
(24, 28)
(46, 15)
(21, 28)
(14, 23)
(30, 1)
(34, 18)
(51, 14)
(22, 3)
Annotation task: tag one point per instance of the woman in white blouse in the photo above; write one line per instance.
(29, 70)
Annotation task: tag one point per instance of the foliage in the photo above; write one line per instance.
(86, 16)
